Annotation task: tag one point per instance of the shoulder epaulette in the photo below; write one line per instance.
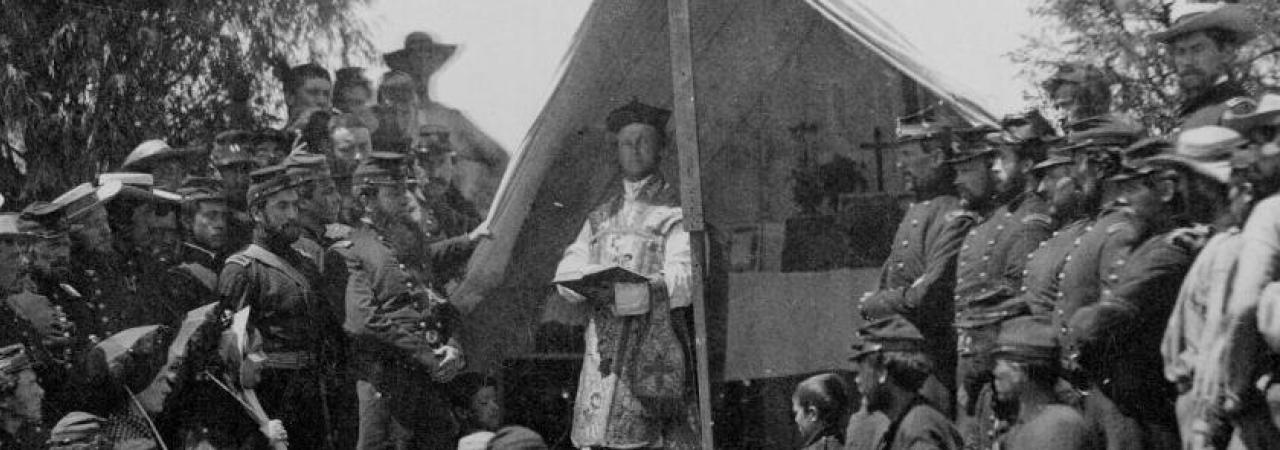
(1118, 227)
(1192, 238)
(239, 259)
(1037, 218)
(961, 214)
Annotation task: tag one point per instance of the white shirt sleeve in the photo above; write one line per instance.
(677, 266)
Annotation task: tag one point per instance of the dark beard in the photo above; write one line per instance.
(283, 235)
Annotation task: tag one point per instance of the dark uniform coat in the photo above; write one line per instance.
(301, 335)
(193, 281)
(1207, 108)
(1056, 427)
(918, 277)
(1040, 283)
(1119, 338)
(1085, 276)
(397, 321)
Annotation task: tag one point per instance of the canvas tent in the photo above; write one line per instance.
(780, 87)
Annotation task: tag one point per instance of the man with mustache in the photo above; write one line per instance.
(919, 274)
(297, 326)
(1169, 199)
(400, 326)
(992, 179)
(1203, 40)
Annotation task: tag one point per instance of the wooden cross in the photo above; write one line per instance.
(878, 146)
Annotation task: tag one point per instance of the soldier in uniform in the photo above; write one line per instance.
(1013, 221)
(21, 398)
(193, 279)
(143, 221)
(919, 275)
(55, 341)
(1203, 40)
(402, 329)
(891, 365)
(319, 205)
(300, 331)
(639, 228)
(1170, 198)
(1040, 277)
(445, 211)
(233, 159)
(1026, 372)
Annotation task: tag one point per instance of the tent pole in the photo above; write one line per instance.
(691, 195)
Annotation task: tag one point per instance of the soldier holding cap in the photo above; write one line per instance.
(1170, 198)
(22, 400)
(300, 330)
(1203, 40)
(993, 182)
(1026, 373)
(919, 274)
(402, 328)
(891, 365)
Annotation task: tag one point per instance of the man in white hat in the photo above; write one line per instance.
(1203, 40)
(1230, 382)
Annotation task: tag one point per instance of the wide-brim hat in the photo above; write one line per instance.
(1191, 17)
(84, 197)
(1244, 113)
(1205, 150)
(402, 59)
(147, 154)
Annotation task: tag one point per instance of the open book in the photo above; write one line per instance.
(598, 276)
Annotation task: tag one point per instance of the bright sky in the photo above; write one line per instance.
(510, 49)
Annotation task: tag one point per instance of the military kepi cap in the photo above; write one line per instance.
(307, 167)
(889, 334)
(197, 189)
(1028, 339)
(636, 112)
(43, 220)
(381, 168)
(269, 181)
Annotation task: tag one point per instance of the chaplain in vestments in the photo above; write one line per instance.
(637, 385)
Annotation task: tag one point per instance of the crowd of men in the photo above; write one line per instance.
(276, 288)
(1099, 288)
